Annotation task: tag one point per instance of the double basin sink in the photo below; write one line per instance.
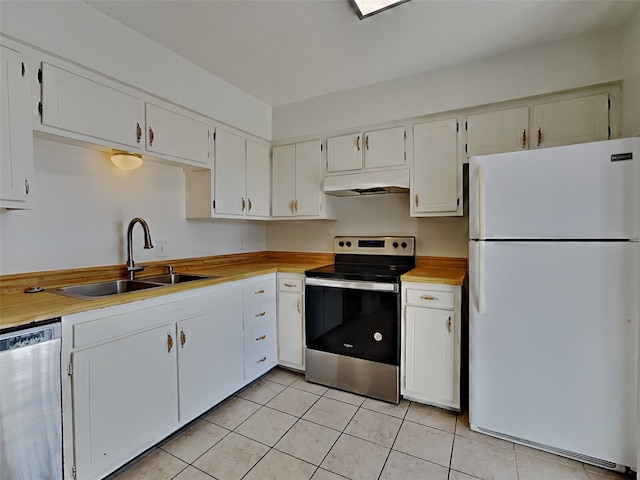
(92, 291)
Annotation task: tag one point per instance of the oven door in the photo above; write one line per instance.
(353, 318)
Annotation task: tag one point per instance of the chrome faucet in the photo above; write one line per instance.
(131, 267)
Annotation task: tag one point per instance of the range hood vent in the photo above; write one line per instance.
(368, 183)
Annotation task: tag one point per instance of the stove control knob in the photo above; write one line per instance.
(395, 244)
(404, 244)
(377, 336)
(348, 244)
(341, 243)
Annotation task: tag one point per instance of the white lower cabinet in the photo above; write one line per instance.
(260, 347)
(291, 320)
(430, 352)
(137, 372)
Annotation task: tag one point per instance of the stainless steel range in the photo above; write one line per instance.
(352, 318)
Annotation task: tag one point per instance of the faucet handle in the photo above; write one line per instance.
(169, 269)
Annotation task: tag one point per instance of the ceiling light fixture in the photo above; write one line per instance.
(366, 8)
(126, 160)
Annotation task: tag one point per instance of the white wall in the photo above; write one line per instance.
(80, 33)
(631, 69)
(83, 205)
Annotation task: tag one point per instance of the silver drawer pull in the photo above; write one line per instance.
(261, 338)
(262, 360)
(428, 297)
(261, 314)
(258, 292)
(289, 285)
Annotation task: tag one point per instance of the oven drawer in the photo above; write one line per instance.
(260, 362)
(430, 299)
(258, 292)
(258, 314)
(259, 337)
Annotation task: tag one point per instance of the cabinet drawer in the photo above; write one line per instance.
(290, 284)
(260, 362)
(259, 292)
(257, 314)
(257, 338)
(431, 299)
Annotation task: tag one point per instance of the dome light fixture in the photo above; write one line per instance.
(126, 160)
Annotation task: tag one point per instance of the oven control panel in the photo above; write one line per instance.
(374, 245)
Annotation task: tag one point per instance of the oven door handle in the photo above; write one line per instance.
(353, 285)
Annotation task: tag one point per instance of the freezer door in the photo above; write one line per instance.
(553, 344)
(576, 192)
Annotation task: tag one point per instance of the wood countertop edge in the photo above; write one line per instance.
(18, 309)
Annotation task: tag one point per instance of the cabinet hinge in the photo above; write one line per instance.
(608, 104)
(40, 108)
(70, 368)
(73, 471)
(214, 204)
(405, 134)
(23, 69)
(457, 127)
(609, 130)
(405, 156)
(466, 126)
(321, 146)
(40, 75)
(214, 136)
(466, 150)
(458, 202)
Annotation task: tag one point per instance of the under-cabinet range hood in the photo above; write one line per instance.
(368, 183)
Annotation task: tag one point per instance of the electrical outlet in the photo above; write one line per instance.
(161, 248)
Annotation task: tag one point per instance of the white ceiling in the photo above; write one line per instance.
(283, 51)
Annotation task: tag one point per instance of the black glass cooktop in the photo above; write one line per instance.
(368, 273)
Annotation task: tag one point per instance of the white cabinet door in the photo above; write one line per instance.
(178, 134)
(16, 143)
(284, 180)
(258, 180)
(344, 153)
(124, 399)
(210, 359)
(308, 178)
(86, 107)
(229, 174)
(578, 120)
(497, 132)
(290, 329)
(384, 148)
(429, 353)
(435, 183)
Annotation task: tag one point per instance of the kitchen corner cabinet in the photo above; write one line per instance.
(137, 372)
(16, 143)
(87, 107)
(430, 350)
(297, 181)
(291, 320)
(381, 148)
(562, 122)
(436, 180)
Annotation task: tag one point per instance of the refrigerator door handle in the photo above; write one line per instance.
(481, 224)
(482, 305)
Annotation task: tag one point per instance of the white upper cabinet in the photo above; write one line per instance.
(436, 182)
(258, 182)
(297, 181)
(497, 132)
(577, 120)
(16, 143)
(239, 184)
(344, 153)
(93, 109)
(84, 106)
(380, 149)
(229, 174)
(384, 148)
(178, 134)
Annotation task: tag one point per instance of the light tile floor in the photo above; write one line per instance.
(283, 428)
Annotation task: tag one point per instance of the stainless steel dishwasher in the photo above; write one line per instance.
(30, 403)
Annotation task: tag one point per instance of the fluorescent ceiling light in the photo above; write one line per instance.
(366, 8)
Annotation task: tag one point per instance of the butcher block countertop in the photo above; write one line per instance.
(21, 309)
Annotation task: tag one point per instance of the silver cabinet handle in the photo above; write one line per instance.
(428, 297)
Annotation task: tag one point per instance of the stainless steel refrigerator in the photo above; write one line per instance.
(554, 299)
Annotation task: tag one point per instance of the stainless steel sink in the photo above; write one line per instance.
(173, 278)
(104, 289)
